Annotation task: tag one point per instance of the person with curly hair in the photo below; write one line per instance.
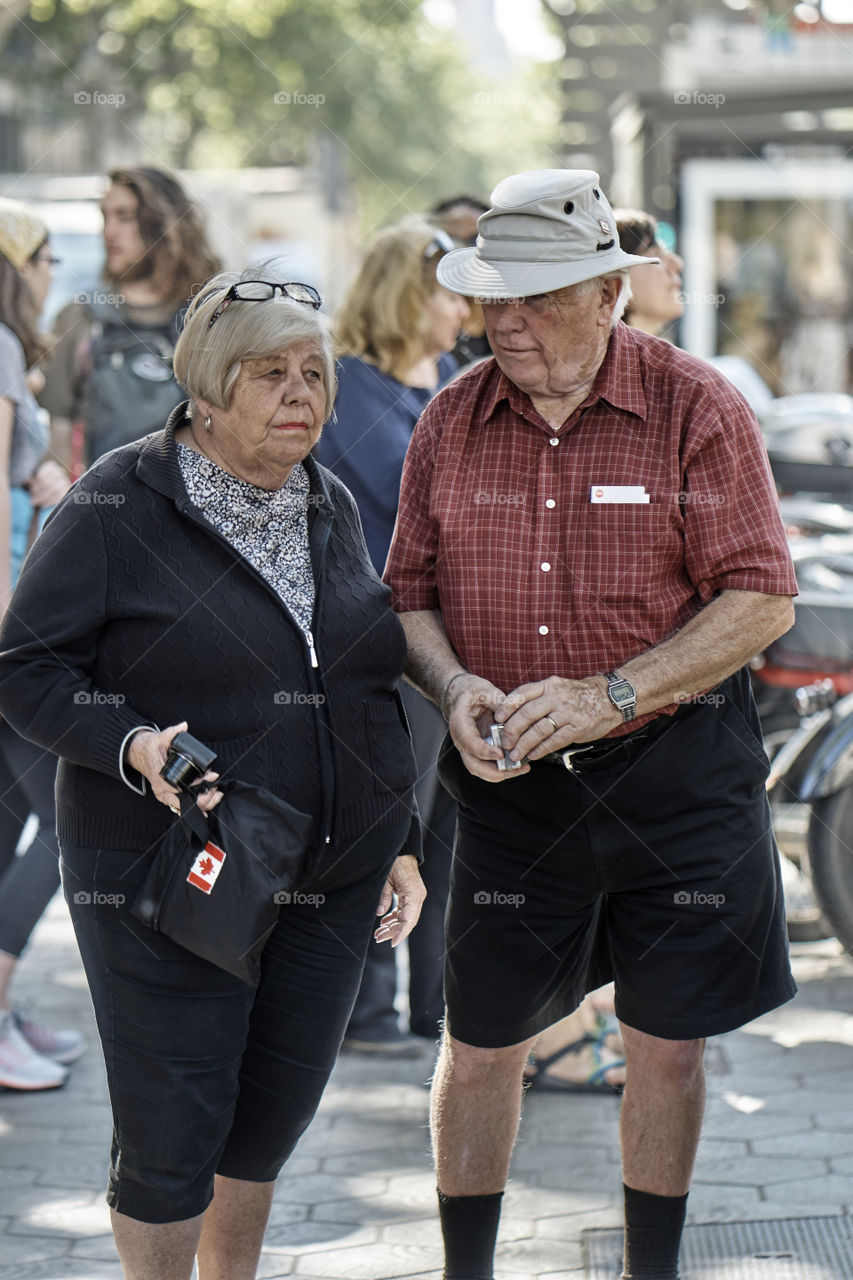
(110, 377)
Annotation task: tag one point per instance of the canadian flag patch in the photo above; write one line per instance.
(206, 867)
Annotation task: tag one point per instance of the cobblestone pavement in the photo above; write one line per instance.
(357, 1200)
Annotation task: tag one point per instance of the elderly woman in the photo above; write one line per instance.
(395, 329)
(213, 574)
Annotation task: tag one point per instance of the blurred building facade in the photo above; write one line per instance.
(733, 122)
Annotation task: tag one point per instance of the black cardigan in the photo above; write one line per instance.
(132, 609)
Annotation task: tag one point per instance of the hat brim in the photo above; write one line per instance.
(463, 271)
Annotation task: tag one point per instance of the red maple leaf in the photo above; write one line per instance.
(205, 867)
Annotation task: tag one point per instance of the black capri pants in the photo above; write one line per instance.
(206, 1074)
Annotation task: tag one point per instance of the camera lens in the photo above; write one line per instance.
(179, 771)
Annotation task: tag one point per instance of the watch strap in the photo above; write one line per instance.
(628, 706)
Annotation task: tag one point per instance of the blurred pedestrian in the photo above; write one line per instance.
(215, 572)
(656, 297)
(394, 331)
(32, 1056)
(110, 376)
(457, 215)
(620, 829)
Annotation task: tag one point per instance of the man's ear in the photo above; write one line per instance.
(611, 287)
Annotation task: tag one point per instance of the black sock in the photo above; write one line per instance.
(469, 1225)
(653, 1227)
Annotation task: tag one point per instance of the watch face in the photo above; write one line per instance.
(622, 693)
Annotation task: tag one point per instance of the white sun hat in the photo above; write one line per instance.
(546, 229)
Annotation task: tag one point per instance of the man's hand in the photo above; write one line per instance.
(553, 714)
(472, 706)
(146, 753)
(404, 880)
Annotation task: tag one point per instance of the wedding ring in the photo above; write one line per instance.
(553, 722)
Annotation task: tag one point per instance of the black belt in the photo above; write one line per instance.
(604, 752)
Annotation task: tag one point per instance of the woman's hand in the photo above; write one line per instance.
(146, 753)
(48, 484)
(404, 880)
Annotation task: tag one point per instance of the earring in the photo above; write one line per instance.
(207, 423)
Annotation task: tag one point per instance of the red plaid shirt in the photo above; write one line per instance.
(497, 530)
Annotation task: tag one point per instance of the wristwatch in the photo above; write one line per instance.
(622, 694)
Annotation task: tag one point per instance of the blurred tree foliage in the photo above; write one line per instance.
(232, 83)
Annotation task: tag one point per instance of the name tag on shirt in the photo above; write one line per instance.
(618, 493)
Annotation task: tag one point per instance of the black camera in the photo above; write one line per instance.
(187, 761)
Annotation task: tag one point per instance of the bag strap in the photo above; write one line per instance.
(193, 819)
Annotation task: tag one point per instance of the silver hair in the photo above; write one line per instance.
(207, 360)
(625, 294)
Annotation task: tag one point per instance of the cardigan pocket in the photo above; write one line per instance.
(389, 747)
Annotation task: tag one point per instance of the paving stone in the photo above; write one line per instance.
(64, 1217)
(308, 1236)
(540, 1255)
(831, 1191)
(370, 1262)
(758, 1171)
(18, 1250)
(815, 1144)
(65, 1269)
(319, 1187)
(102, 1248)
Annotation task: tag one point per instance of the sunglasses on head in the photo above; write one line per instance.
(265, 291)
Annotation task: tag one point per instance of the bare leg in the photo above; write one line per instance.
(7, 968)
(475, 1109)
(661, 1112)
(156, 1251)
(233, 1231)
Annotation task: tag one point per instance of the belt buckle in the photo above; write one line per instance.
(569, 752)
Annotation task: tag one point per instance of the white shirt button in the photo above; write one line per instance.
(543, 631)
(550, 504)
(544, 566)
(554, 440)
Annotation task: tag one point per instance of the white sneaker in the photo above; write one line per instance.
(61, 1046)
(21, 1067)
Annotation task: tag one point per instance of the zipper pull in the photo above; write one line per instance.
(310, 638)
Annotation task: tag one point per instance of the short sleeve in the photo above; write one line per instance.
(734, 537)
(13, 371)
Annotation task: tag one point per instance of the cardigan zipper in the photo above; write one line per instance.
(327, 774)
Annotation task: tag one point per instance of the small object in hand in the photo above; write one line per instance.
(186, 762)
(495, 739)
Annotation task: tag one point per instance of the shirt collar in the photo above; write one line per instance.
(618, 381)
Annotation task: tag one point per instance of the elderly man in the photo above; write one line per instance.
(587, 552)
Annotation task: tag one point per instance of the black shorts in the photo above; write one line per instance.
(658, 871)
(207, 1075)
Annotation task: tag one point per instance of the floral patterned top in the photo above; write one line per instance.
(269, 528)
